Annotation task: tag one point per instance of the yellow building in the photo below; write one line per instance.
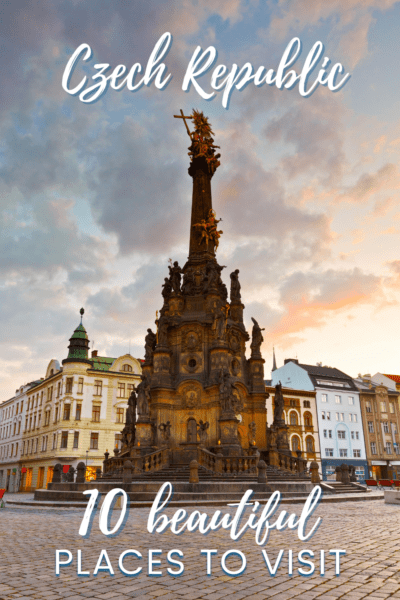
(76, 412)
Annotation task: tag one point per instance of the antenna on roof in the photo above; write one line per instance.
(129, 347)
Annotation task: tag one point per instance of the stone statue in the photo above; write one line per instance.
(162, 331)
(175, 273)
(235, 286)
(252, 433)
(131, 411)
(149, 344)
(202, 431)
(189, 282)
(279, 404)
(211, 278)
(257, 338)
(219, 325)
(57, 473)
(226, 388)
(70, 476)
(165, 429)
(166, 288)
(143, 397)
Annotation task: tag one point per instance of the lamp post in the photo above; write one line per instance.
(87, 452)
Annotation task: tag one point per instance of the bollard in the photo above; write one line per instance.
(219, 463)
(128, 469)
(57, 473)
(314, 473)
(98, 472)
(262, 472)
(80, 473)
(194, 472)
(345, 473)
(338, 472)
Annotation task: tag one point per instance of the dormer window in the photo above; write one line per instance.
(127, 368)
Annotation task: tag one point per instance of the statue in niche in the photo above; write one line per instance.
(175, 273)
(166, 288)
(256, 337)
(143, 397)
(189, 282)
(149, 345)
(202, 431)
(211, 276)
(252, 433)
(165, 429)
(235, 286)
(226, 388)
(192, 431)
(279, 404)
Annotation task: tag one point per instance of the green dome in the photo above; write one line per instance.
(78, 344)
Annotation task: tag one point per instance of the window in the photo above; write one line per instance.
(324, 397)
(307, 404)
(370, 427)
(328, 416)
(350, 417)
(342, 416)
(295, 444)
(309, 444)
(80, 385)
(120, 415)
(59, 389)
(56, 415)
(96, 414)
(16, 409)
(341, 434)
(68, 385)
(391, 407)
(368, 406)
(118, 440)
(78, 412)
(352, 435)
(76, 439)
(47, 418)
(307, 420)
(97, 387)
(322, 414)
(19, 427)
(94, 441)
(330, 433)
(328, 452)
(373, 447)
(67, 412)
(293, 418)
(351, 399)
(386, 427)
(356, 453)
(338, 399)
(49, 394)
(292, 402)
(396, 448)
(64, 439)
(343, 452)
(337, 416)
(355, 419)
(325, 433)
(129, 389)
(14, 428)
(383, 406)
(357, 435)
(127, 368)
(121, 390)
(41, 398)
(388, 448)
(54, 441)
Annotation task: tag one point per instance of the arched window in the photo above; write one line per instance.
(307, 419)
(310, 444)
(293, 418)
(127, 368)
(295, 443)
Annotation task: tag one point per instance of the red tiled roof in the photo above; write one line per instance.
(395, 378)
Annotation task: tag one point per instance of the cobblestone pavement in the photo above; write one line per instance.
(369, 532)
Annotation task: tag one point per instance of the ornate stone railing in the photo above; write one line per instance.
(155, 461)
(218, 463)
(287, 462)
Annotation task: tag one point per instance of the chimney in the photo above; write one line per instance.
(294, 360)
(94, 353)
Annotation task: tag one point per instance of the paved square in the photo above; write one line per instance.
(369, 531)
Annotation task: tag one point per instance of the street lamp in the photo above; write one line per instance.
(87, 452)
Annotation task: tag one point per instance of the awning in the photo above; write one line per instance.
(395, 462)
(381, 463)
(66, 468)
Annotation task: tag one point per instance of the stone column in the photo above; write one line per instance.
(345, 473)
(314, 473)
(262, 472)
(80, 473)
(338, 472)
(127, 473)
(194, 472)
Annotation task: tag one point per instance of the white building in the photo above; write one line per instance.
(339, 414)
(12, 416)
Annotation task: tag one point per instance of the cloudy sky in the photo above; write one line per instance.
(95, 197)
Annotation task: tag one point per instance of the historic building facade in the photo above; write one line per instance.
(300, 414)
(381, 421)
(12, 419)
(75, 413)
(338, 409)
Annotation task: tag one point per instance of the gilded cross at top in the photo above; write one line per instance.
(182, 116)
